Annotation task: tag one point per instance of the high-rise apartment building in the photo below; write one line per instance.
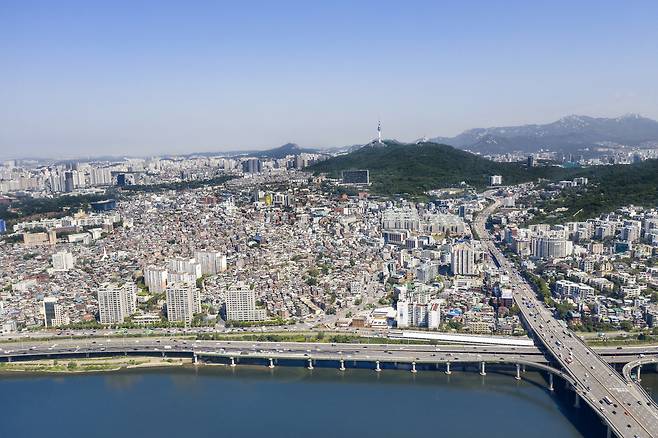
(155, 278)
(241, 305)
(462, 259)
(183, 301)
(212, 262)
(116, 302)
(179, 264)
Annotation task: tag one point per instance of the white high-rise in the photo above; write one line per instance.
(241, 305)
(62, 261)
(462, 259)
(181, 278)
(191, 266)
(212, 262)
(183, 301)
(155, 278)
(116, 302)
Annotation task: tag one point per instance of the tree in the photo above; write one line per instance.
(626, 326)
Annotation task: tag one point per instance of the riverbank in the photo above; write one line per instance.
(90, 365)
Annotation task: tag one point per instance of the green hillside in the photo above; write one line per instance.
(412, 169)
(415, 168)
(609, 188)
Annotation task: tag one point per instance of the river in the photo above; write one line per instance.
(284, 402)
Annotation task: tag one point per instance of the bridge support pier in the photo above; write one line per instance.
(271, 365)
(342, 365)
(413, 367)
(377, 368)
(550, 382)
(232, 362)
(9, 359)
(608, 432)
(196, 359)
(523, 368)
(310, 364)
(576, 401)
(448, 368)
(639, 371)
(482, 370)
(518, 372)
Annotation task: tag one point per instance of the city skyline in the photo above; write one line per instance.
(168, 78)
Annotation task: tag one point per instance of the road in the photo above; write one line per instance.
(630, 412)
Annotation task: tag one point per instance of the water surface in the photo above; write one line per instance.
(284, 402)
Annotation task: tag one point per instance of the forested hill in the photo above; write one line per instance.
(397, 168)
(609, 188)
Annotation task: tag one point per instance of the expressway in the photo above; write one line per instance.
(625, 408)
(96, 343)
(377, 356)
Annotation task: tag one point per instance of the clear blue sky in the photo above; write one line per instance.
(145, 77)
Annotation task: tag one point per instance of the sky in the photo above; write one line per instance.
(83, 78)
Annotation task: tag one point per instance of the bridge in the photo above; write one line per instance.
(624, 407)
(387, 355)
(376, 356)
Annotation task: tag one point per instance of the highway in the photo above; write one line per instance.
(377, 356)
(611, 354)
(625, 408)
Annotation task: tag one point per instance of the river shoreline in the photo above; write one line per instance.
(89, 365)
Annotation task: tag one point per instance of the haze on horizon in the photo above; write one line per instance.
(148, 77)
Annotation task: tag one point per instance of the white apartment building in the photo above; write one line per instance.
(155, 278)
(181, 278)
(212, 262)
(462, 259)
(62, 261)
(116, 302)
(191, 266)
(551, 247)
(241, 305)
(183, 301)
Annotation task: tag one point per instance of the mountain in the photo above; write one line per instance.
(397, 168)
(283, 151)
(569, 134)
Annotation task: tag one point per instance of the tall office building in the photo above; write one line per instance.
(211, 262)
(155, 278)
(183, 301)
(68, 181)
(116, 302)
(53, 316)
(462, 259)
(241, 305)
(62, 261)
